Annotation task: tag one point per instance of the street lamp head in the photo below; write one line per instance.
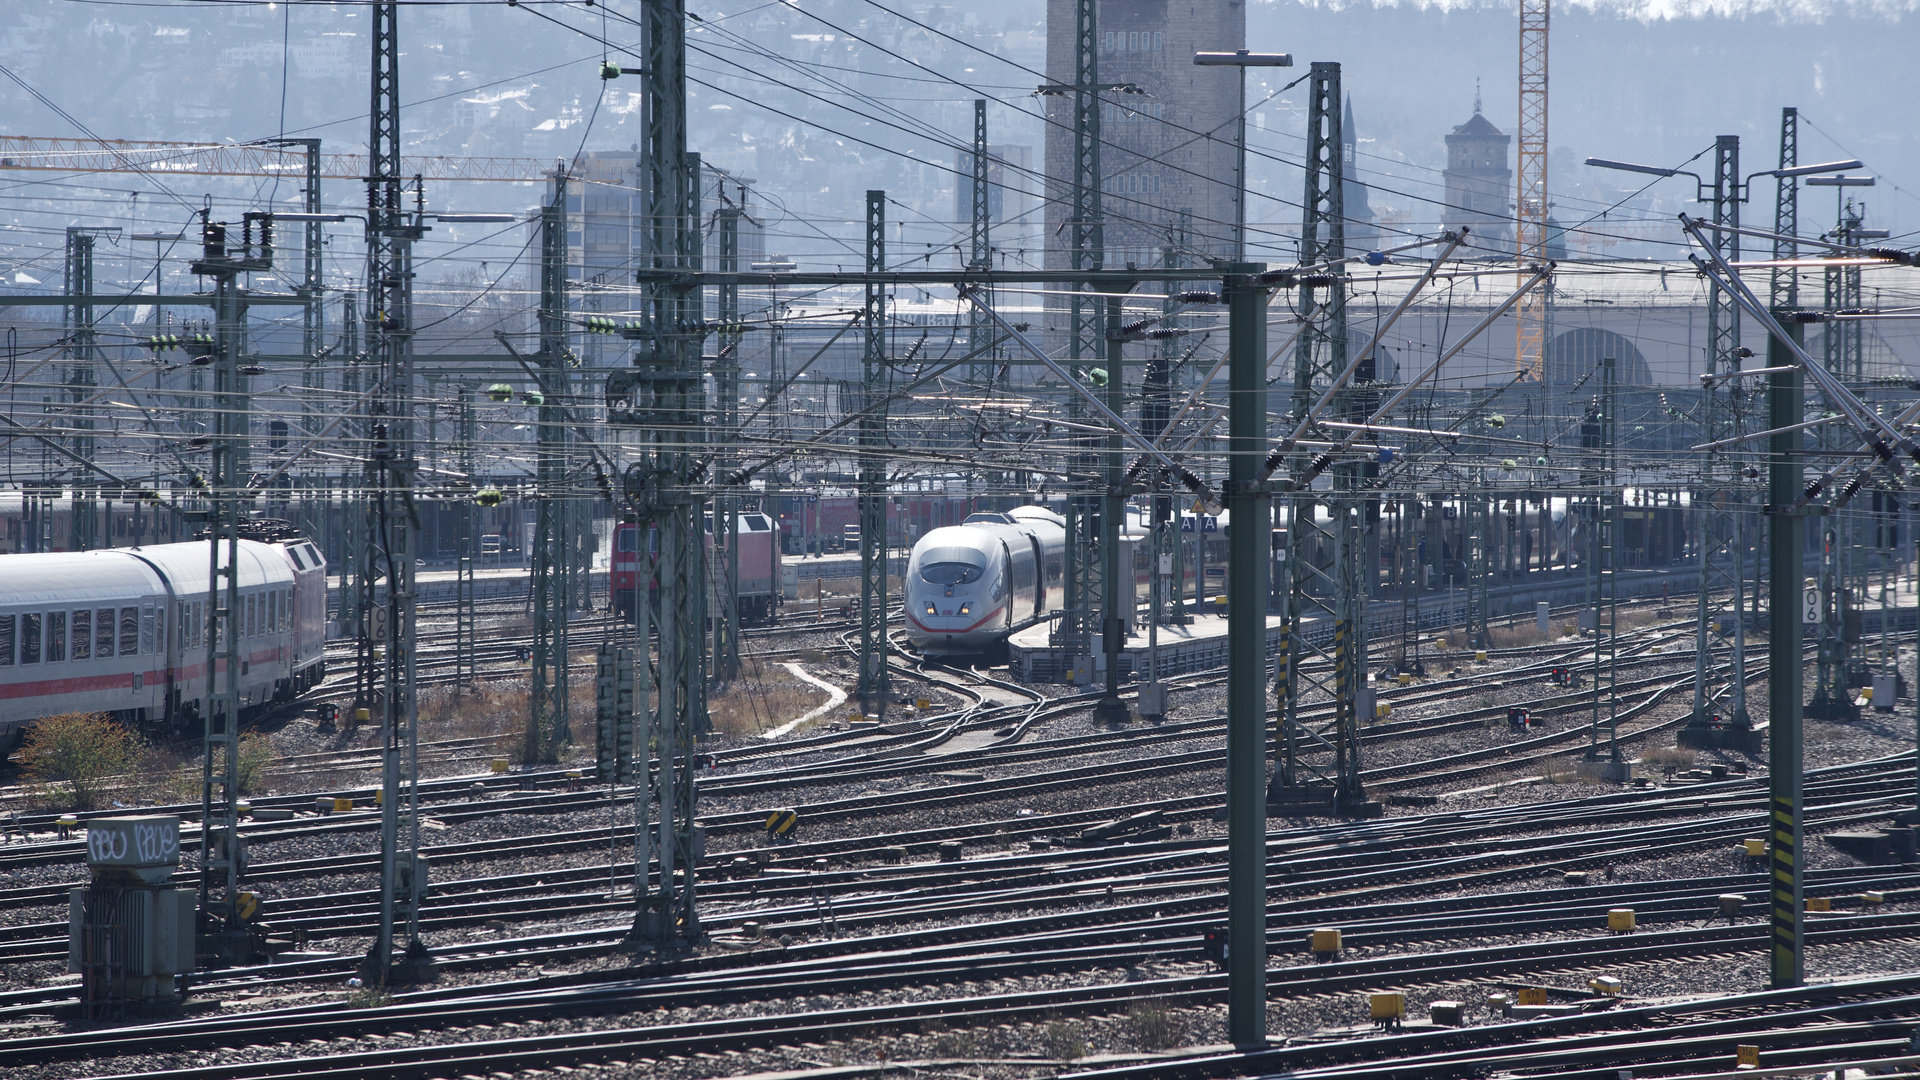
(295, 215)
(1840, 181)
(477, 219)
(1809, 170)
(1242, 58)
(1622, 166)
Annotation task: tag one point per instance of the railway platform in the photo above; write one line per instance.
(1197, 646)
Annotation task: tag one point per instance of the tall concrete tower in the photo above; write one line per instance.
(1153, 163)
(1361, 232)
(1480, 184)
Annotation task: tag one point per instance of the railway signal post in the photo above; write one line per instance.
(222, 857)
(1248, 501)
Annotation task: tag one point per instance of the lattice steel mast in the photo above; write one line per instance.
(726, 503)
(1320, 352)
(664, 395)
(980, 247)
(391, 231)
(1088, 251)
(549, 702)
(84, 510)
(873, 683)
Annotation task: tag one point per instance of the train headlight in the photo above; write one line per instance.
(930, 609)
(966, 609)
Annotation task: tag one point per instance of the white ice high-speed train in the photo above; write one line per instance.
(123, 631)
(970, 585)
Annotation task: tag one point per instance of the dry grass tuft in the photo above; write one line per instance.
(493, 712)
(1562, 771)
(1153, 1026)
(765, 696)
(1670, 759)
(1062, 1041)
(1518, 636)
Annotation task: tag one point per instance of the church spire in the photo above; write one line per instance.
(1476, 95)
(1348, 139)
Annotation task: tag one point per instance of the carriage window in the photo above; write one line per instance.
(129, 631)
(82, 635)
(629, 539)
(146, 630)
(6, 641)
(56, 636)
(30, 638)
(103, 633)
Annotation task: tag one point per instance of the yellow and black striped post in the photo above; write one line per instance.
(781, 824)
(1342, 686)
(1283, 696)
(1784, 678)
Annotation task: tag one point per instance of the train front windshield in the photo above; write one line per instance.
(951, 566)
(950, 573)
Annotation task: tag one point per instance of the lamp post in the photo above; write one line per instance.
(1243, 60)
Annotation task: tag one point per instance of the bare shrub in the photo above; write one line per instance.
(167, 776)
(80, 757)
(257, 756)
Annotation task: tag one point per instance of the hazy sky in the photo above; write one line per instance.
(1644, 80)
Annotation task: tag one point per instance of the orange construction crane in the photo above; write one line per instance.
(1530, 232)
(242, 159)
